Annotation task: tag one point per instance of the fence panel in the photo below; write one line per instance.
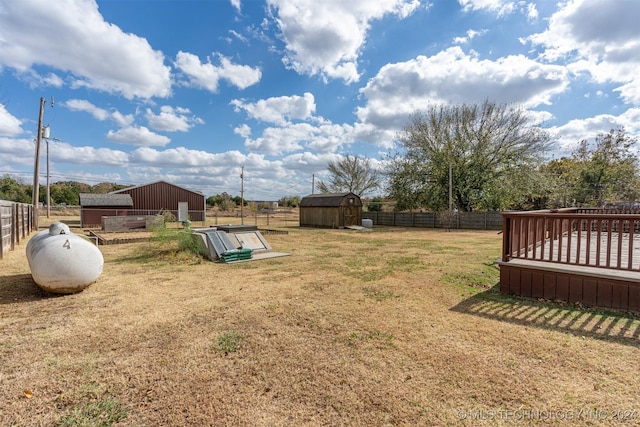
(14, 224)
(461, 220)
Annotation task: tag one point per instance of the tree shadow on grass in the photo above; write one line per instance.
(601, 324)
(21, 288)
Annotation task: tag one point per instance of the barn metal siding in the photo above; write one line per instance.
(159, 197)
(92, 216)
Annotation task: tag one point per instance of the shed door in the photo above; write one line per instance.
(350, 216)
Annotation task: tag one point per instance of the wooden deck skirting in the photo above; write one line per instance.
(588, 257)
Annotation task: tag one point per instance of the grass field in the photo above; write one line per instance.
(388, 327)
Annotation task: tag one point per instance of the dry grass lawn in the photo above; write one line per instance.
(388, 327)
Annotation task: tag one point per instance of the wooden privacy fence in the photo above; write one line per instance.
(458, 220)
(15, 224)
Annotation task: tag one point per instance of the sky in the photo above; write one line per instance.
(198, 92)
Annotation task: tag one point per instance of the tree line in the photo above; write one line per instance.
(226, 202)
(490, 157)
(67, 193)
(61, 192)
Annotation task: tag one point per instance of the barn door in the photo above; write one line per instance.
(350, 216)
(183, 211)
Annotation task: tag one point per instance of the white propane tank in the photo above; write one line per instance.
(367, 223)
(63, 262)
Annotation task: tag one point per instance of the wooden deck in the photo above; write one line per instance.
(588, 258)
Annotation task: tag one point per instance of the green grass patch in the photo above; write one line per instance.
(405, 263)
(378, 293)
(102, 413)
(228, 343)
(483, 278)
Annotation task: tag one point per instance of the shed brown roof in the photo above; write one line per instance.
(326, 199)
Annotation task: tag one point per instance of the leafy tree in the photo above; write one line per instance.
(238, 201)
(62, 193)
(490, 149)
(354, 174)
(223, 201)
(560, 176)
(76, 187)
(289, 201)
(107, 187)
(375, 204)
(605, 172)
(14, 190)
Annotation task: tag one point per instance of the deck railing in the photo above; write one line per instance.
(604, 238)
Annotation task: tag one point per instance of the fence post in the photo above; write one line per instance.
(1, 236)
(15, 232)
(506, 240)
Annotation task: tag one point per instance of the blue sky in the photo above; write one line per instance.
(191, 91)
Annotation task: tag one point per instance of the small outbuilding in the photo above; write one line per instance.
(94, 206)
(331, 210)
(159, 197)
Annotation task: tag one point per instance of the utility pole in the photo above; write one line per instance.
(36, 168)
(242, 196)
(48, 188)
(313, 182)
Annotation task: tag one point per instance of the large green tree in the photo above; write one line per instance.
(289, 201)
(14, 190)
(351, 174)
(490, 151)
(605, 171)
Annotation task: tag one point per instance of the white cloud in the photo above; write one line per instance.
(238, 36)
(207, 76)
(123, 120)
(601, 38)
(172, 119)
(243, 130)
(63, 152)
(308, 161)
(9, 125)
(99, 113)
(294, 137)
(139, 136)
(451, 76)
(326, 37)
(570, 133)
(471, 34)
(16, 152)
(279, 110)
(500, 7)
(236, 5)
(50, 33)
(532, 12)
(36, 80)
(86, 106)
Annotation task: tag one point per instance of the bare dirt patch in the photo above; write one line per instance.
(389, 327)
